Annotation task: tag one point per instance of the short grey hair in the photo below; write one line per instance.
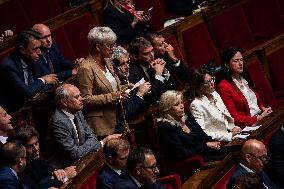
(168, 100)
(100, 35)
(118, 52)
(61, 94)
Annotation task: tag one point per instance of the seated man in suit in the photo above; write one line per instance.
(38, 173)
(5, 126)
(252, 160)
(69, 137)
(20, 78)
(52, 60)
(13, 160)
(142, 169)
(166, 52)
(116, 152)
(153, 70)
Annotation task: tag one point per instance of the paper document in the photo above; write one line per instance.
(246, 132)
(136, 85)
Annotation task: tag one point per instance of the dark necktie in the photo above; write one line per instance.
(49, 62)
(30, 76)
(79, 133)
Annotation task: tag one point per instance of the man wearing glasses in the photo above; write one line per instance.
(142, 171)
(253, 159)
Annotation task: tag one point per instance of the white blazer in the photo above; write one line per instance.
(214, 118)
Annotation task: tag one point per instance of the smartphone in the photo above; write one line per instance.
(148, 12)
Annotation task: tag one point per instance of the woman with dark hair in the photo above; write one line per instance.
(237, 91)
(209, 109)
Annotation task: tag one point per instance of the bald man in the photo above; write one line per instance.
(5, 125)
(252, 160)
(52, 60)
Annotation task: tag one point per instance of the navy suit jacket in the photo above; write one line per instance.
(8, 179)
(107, 178)
(62, 67)
(14, 91)
(128, 183)
(240, 170)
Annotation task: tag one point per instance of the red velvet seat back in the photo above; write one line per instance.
(265, 18)
(13, 16)
(77, 32)
(281, 3)
(222, 183)
(261, 82)
(198, 46)
(171, 181)
(172, 41)
(230, 28)
(90, 183)
(39, 11)
(276, 68)
(60, 37)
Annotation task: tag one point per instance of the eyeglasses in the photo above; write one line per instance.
(235, 186)
(264, 158)
(154, 167)
(211, 81)
(109, 46)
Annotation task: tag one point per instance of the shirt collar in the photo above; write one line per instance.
(136, 182)
(246, 168)
(69, 115)
(24, 64)
(14, 172)
(118, 171)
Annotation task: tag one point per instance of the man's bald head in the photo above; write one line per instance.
(46, 40)
(254, 155)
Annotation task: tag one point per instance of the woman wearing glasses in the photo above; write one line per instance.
(180, 135)
(209, 110)
(237, 91)
(99, 85)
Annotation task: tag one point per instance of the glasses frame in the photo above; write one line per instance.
(153, 167)
(262, 158)
(210, 82)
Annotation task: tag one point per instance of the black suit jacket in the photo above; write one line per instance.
(14, 91)
(120, 23)
(276, 153)
(128, 183)
(38, 175)
(240, 170)
(178, 145)
(62, 67)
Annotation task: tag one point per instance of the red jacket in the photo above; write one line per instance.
(237, 104)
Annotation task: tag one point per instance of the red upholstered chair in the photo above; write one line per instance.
(196, 43)
(187, 167)
(90, 183)
(260, 81)
(265, 18)
(39, 11)
(171, 181)
(276, 67)
(222, 183)
(229, 27)
(77, 32)
(60, 37)
(13, 16)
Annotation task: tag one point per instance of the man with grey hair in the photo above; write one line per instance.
(69, 137)
(253, 157)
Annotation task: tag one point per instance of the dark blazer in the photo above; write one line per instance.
(107, 178)
(178, 145)
(128, 183)
(135, 105)
(38, 174)
(8, 179)
(62, 142)
(136, 73)
(120, 23)
(276, 153)
(236, 103)
(14, 90)
(62, 67)
(240, 170)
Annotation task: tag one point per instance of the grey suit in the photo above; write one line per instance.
(62, 141)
